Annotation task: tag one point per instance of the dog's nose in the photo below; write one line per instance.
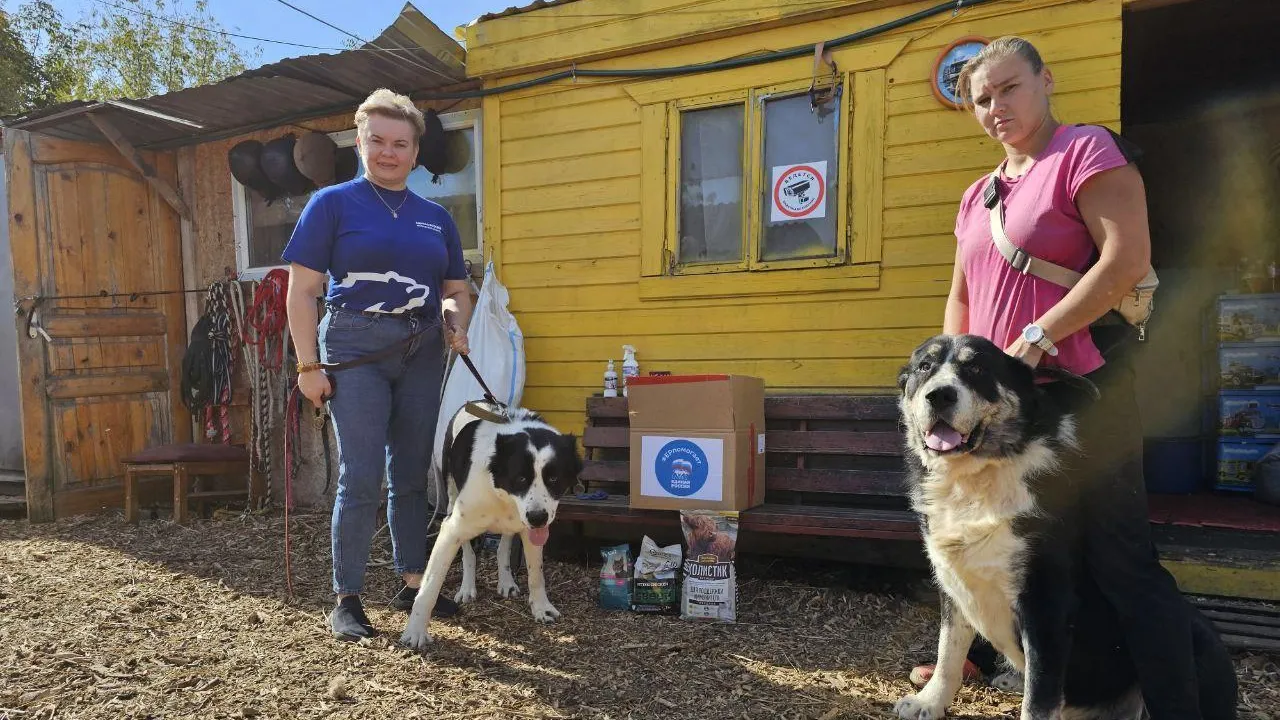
(942, 398)
(536, 518)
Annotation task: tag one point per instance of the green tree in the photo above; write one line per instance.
(138, 49)
(22, 82)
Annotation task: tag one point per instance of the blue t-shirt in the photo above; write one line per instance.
(376, 261)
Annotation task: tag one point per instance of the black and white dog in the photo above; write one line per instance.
(1001, 529)
(502, 477)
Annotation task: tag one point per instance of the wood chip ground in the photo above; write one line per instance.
(102, 620)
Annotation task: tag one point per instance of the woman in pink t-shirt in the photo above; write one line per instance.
(1072, 197)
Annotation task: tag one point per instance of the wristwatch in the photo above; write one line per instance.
(1034, 334)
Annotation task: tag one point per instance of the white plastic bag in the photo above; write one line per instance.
(497, 351)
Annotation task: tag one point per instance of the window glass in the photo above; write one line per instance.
(805, 144)
(711, 185)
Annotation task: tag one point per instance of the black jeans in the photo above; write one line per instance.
(1119, 552)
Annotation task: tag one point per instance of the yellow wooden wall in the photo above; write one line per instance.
(563, 167)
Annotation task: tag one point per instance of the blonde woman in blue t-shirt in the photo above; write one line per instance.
(393, 263)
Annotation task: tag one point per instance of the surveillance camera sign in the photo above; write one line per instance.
(799, 192)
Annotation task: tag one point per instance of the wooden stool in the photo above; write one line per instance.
(182, 462)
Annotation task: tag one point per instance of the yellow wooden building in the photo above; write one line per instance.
(583, 206)
(588, 179)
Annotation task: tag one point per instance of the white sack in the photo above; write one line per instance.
(497, 351)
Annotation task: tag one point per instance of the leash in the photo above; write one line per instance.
(382, 354)
(292, 432)
(488, 394)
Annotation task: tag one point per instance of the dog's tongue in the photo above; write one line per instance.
(943, 438)
(539, 536)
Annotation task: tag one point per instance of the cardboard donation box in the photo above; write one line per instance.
(697, 442)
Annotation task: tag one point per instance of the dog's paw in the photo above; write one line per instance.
(414, 639)
(1010, 681)
(465, 595)
(912, 707)
(508, 588)
(544, 611)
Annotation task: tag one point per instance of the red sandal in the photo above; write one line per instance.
(920, 674)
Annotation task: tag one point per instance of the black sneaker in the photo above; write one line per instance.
(445, 607)
(348, 621)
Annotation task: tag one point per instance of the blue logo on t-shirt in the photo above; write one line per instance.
(416, 294)
(681, 468)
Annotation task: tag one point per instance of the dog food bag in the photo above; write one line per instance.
(710, 590)
(615, 577)
(655, 589)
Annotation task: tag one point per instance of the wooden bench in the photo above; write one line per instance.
(833, 468)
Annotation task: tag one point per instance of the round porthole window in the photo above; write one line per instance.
(946, 69)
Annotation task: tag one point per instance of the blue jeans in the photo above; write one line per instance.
(384, 416)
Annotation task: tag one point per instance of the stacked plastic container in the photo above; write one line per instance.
(1248, 416)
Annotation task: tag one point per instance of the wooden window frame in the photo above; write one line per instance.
(675, 114)
(856, 264)
(760, 181)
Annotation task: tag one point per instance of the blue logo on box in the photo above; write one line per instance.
(681, 468)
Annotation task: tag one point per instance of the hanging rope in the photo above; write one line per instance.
(263, 331)
(221, 358)
(208, 364)
(259, 425)
(269, 318)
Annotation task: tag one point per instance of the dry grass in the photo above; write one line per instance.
(102, 620)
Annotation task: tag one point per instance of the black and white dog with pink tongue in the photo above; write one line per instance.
(504, 478)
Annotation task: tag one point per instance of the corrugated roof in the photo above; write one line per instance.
(523, 9)
(411, 56)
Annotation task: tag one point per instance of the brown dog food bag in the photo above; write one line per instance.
(710, 589)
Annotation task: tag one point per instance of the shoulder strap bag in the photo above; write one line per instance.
(1135, 307)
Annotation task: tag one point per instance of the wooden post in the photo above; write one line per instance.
(27, 198)
(181, 488)
(135, 158)
(130, 495)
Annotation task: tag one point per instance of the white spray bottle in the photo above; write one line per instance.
(611, 381)
(630, 368)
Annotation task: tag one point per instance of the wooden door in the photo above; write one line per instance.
(102, 380)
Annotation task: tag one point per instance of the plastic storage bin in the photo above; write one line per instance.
(1249, 318)
(1236, 459)
(1249, 413)
(1246, 366)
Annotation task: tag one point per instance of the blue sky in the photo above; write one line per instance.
(273, 20)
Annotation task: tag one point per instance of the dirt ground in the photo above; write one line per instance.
(102, 620)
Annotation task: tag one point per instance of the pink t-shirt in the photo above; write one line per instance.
(1040, 216)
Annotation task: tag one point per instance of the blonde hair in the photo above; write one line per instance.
(392, 105)
(999, 49)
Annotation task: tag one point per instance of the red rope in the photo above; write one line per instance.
(267, 315)
(292, 432)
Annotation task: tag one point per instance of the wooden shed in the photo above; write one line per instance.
(125, 197)
(634, 197)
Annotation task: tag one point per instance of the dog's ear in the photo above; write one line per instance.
(1057, 373)
(509, 444)
(904, 372)
(510, 456)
